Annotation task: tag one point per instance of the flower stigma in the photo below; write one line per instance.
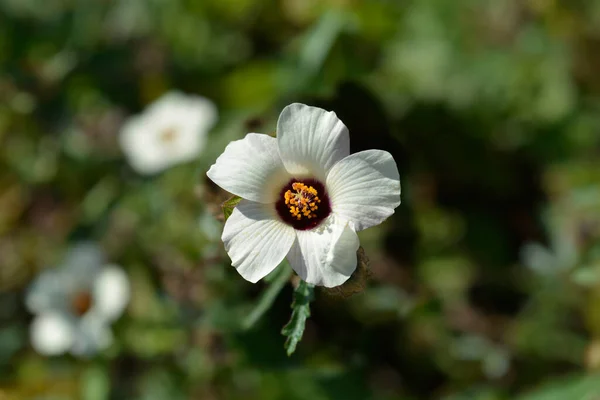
(81, 303)
(303, 202)
(168, 135)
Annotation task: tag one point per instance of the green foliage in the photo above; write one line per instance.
(277, 280)
(96, 383)
(484, 284)
(582, 387)
(294, 329)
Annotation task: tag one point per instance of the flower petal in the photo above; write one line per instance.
(364, 188)
(52, 333)
(250, 168)
(92, 335)
(47, 292)
(141, 149)
(325, 256)
(311, 140)
(256, 240)
(82, 264)
(183, 109)
(111, 292)
(86, 253)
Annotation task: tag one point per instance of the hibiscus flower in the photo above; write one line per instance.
(172, 130)
(75, 304)
(304, 197)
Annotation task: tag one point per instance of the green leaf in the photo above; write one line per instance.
(577, 387)
(96, 384)
(229, 205)
(294, 329)
(278, 279)
(319, 40)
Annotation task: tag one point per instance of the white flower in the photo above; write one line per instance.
(76, 303)
(561, 253)
(494, 358)
(171, 130)
(304, 197)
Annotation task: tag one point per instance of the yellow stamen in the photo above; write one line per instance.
(302, 201)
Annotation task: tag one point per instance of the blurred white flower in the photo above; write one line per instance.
(75, 303)
(170, 131)
(494, 358)
(304, 197)
(560, 255)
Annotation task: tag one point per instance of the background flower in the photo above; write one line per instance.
(76, 302)
(170, 131)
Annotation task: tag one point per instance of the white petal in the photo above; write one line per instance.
(364, 188)
(85, 253)
(256, 240)
(178, 107)
(47, 292)
(142, 152)
(82, 264)
(92, 335)
(111, 292)
(326, 255)
(52, 333)
(250, 168)
(311, 140)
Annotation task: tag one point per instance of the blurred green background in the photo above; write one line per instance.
(485, 283)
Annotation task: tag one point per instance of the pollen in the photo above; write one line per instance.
(302, 201)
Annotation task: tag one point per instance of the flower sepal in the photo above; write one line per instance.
(229, 205)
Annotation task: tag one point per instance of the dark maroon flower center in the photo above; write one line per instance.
(303, 203)
(81, 303)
